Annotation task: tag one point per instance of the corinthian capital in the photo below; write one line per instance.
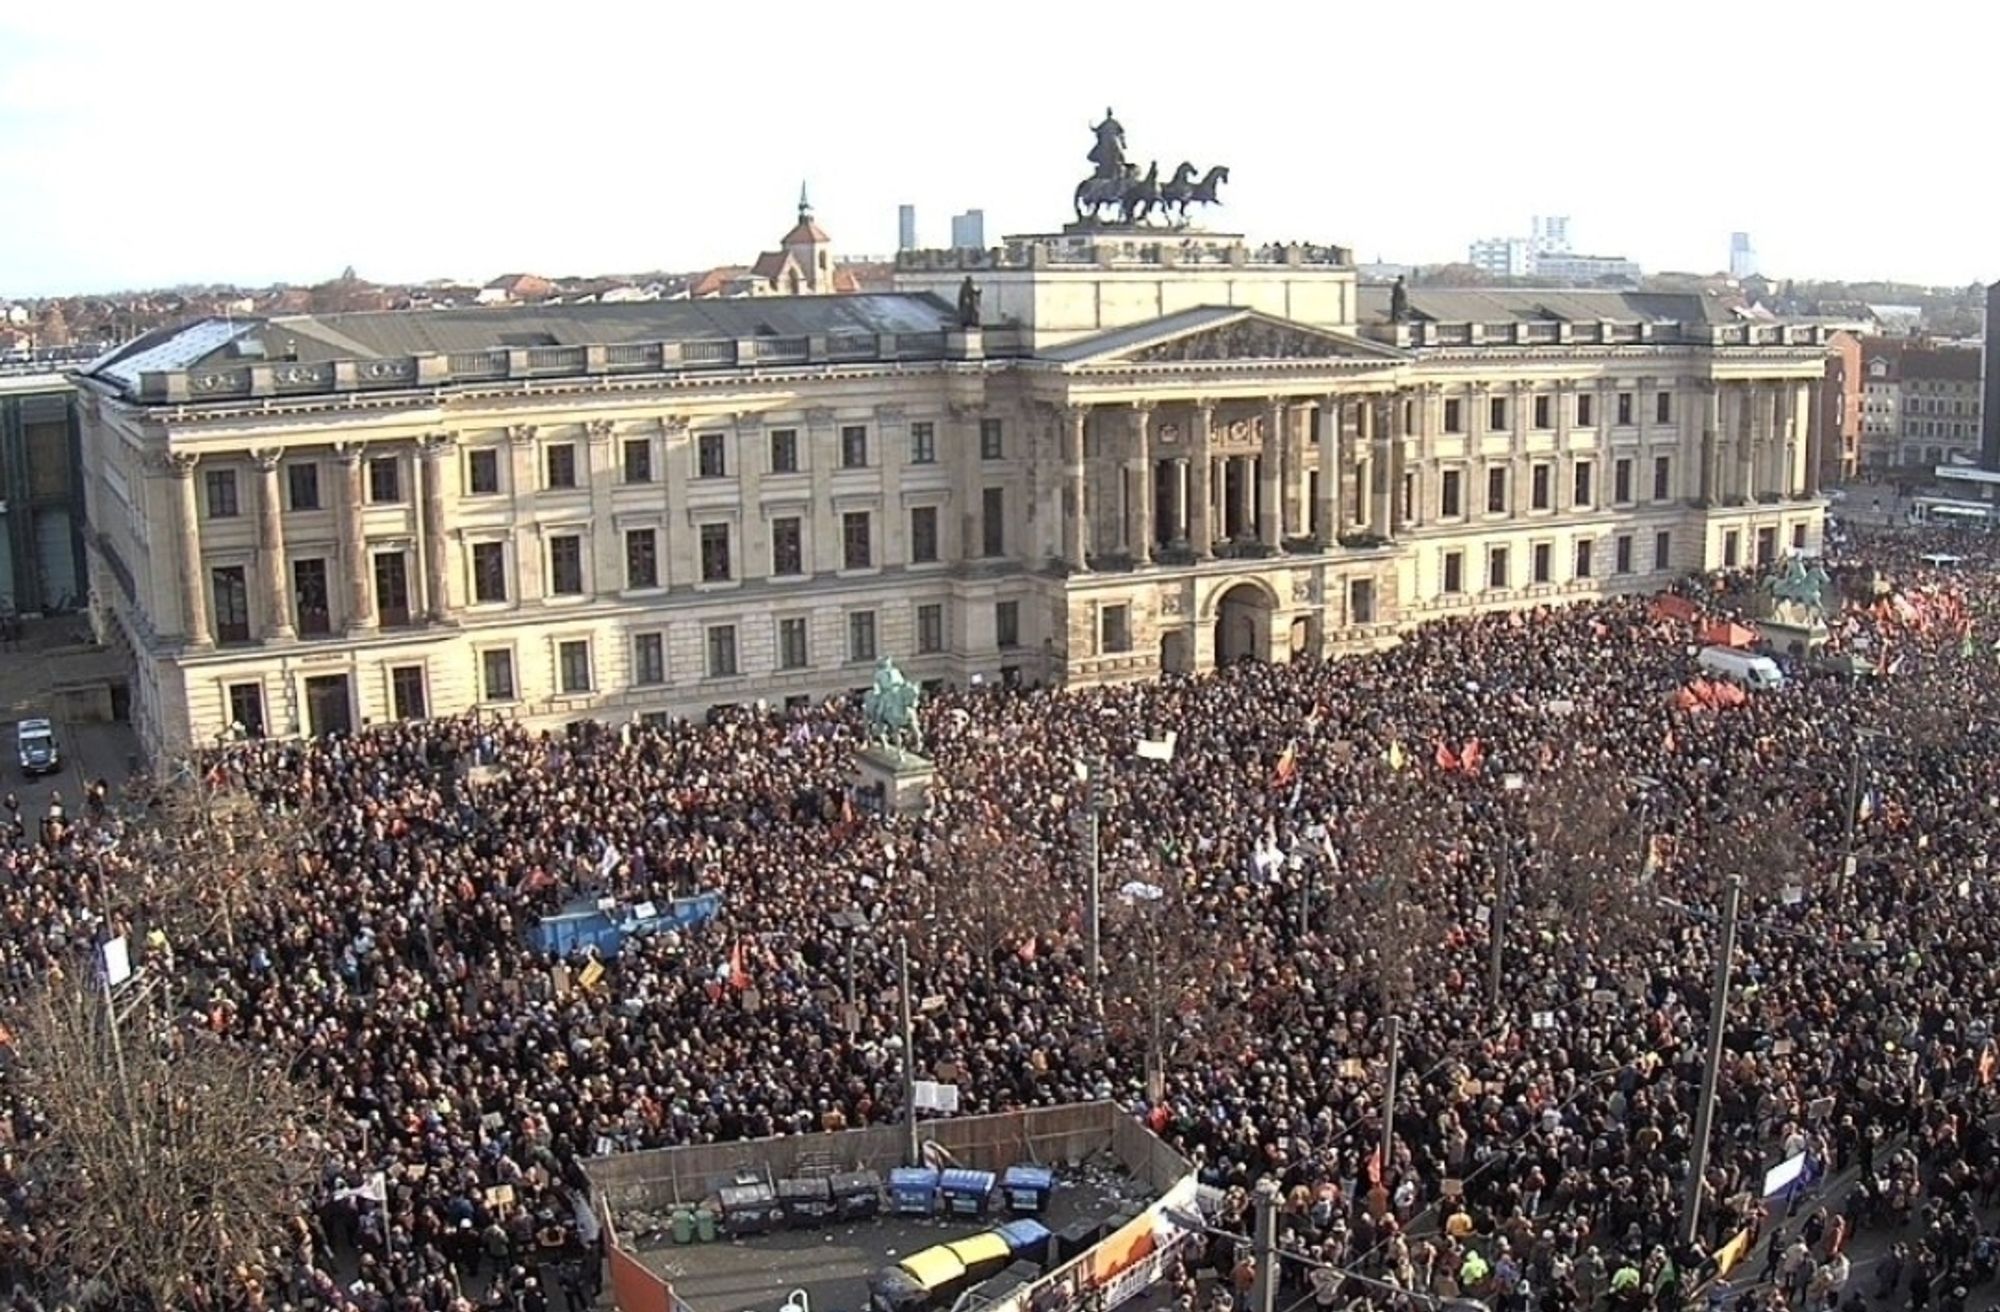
(433, 446)
(267, 458)
(520, 434)
(599, 430)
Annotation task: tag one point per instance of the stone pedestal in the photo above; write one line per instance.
(903, 778)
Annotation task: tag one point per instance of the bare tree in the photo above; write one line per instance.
(169, 1156)
(990, 887)
(1592, 856)
(1392, 921)
(207, 850)
(1168, 991)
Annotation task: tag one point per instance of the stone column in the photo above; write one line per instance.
(1711, 443)
(1394, 424)
(361, 617)
(1745, 404)
(194, 577)
(1141, 480)
(1201, 497)
(1243, 479)
(1271, 511)
(1076, 533)
(1332, 469)
(271, 565)
(433, 451)
(1803, 405)
(1298, 515)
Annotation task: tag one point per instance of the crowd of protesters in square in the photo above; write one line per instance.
(1541, 1141)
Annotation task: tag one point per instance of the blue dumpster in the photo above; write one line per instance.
(1028, 1189)
(913, 1191)
(1028, 1241)
(966, 1193)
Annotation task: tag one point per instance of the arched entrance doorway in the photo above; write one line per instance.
(1243, 624)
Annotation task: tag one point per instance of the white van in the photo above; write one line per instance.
(1741, 667)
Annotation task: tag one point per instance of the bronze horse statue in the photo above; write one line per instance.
(1134, 197)
(1183, 190)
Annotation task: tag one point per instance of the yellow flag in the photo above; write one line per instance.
(1397, 758)
(1727, 1256)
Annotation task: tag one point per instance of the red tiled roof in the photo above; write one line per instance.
(807, 232)
(769, 265)
(712, 282)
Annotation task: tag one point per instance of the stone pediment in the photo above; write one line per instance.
(1222, 335)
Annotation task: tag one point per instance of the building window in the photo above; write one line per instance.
(1621, 562)
(1624, 409)
(1361, 601)
(1541, 558)
(1732, 549)
(715, 553)
(392, 587)
(573, 666)
(784, 450)
(993, 521)
(1454, 415)
(638, 460)
(856, 547)
(1583, 558)
(496, 675)
(221, 488)
(1767, 547)
(992, 440)
(385, 484)
(854, 446)
(1451, 494)
(861, 636)
(406, 692)
(1496, 490)
(649, 659)
(788, 553)
(1663, 407)
(923, 443)
(1663, 550)
(1496, 568)
(1409, 500)
(1798, 537)
(1541, 410)
(489, 571)
(793, 651)
(1454, 572)
(566, 565)
(930, 628)
(923, 535)
(311, 598)
(231, 592)
(1538, 489)
(1621, 482)
(1496, 414)
(1006, 624)
(1580, 488)
(1663, 478)
(711, 456)
(721, 642)
(482, 473)
(1116, 625)
(642, 558)
(1586, 406)
(559, 462)
(246, 709)
(302, 483)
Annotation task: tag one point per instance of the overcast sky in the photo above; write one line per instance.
(145, 144)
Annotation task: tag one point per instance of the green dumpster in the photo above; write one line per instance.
(704, 1225)
(683, 1227)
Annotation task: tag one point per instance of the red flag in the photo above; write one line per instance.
(1471, 756)
(739, 978)
(1375, 1167)
(1986, 1064)
(1026, 951)
(1288, 765)
(1447, 760)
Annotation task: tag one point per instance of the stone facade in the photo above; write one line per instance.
(1151, 455)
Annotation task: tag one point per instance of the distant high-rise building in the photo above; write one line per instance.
(906, 227)
(1501, 257)
(1548, 234)
(968, 231)
(1742, 257)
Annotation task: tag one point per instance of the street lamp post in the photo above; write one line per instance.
(1091, 773)
(1857, 737)
(1503, 872)
(1718, 1017)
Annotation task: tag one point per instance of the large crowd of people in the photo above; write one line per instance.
(1541, 1146)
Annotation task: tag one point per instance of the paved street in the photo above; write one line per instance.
(50, 655)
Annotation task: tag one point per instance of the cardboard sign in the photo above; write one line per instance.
(1352, 1068)
(590, 975)
(500, 1195)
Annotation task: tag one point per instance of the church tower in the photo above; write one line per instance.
(811, 250)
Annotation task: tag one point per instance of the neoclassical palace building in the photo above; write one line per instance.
(1095, 455)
